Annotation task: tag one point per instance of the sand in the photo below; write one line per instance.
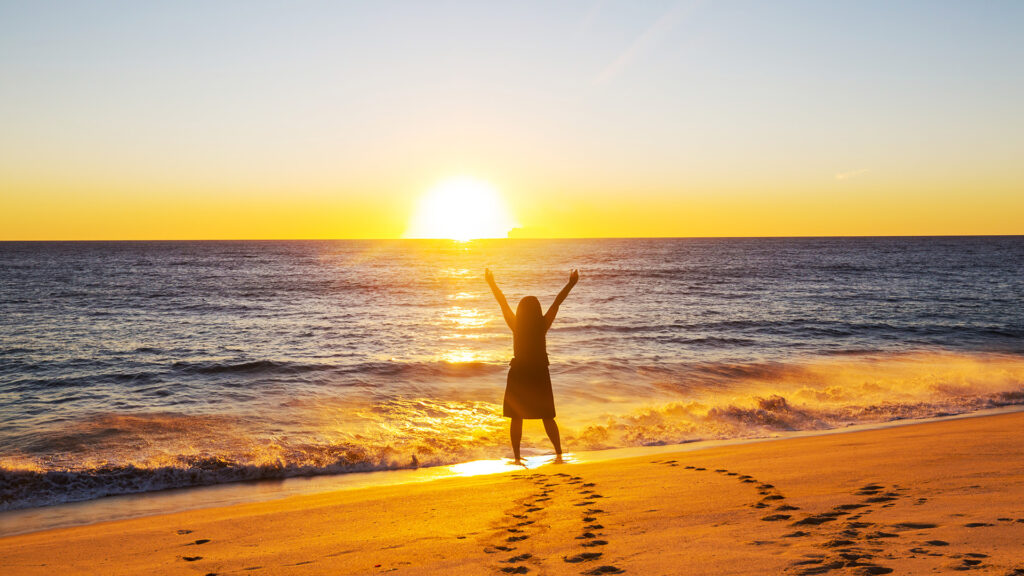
(935, 497)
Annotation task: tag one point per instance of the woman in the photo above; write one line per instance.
(528, 389)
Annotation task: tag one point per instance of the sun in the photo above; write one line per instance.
(461, 209)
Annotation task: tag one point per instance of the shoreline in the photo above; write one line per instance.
(149, 504)
(933, 497)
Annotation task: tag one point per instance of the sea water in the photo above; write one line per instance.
(137, 366)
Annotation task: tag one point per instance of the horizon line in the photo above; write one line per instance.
(373, 239)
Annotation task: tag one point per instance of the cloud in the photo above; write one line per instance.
(642, 44)
(850, 174)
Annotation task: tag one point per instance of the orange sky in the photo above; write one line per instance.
(592, 120)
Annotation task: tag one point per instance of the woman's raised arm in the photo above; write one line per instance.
(506, 311)
(549, 318)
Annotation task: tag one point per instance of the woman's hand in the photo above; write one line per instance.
(488, 276)
(574, 277)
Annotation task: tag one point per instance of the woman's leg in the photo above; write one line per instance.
(552, 429)
(515, 430)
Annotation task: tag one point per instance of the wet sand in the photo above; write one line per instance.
(935, 497)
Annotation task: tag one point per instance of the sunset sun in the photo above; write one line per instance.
(461, 209)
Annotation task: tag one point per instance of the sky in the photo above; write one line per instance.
(208, 120)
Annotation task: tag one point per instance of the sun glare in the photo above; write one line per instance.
(461, 209)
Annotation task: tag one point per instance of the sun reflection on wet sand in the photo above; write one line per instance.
(481, 467)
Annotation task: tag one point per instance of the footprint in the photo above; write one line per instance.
(977, 524)
(516, 538)
(593, 543)
(815, 520)
(776, 517)
(586, 535)
(515, 569)
(937, 543)
(915, 525)
(604, 570)
(200, 541)
(180, 532)
(518, 558)
(191, 558)
(584, 557)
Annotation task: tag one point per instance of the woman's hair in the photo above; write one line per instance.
(529, 318)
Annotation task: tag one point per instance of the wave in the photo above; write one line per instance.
(423, 425)
(27, 488)
(430, 368)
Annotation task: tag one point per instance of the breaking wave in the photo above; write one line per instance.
(109, 454)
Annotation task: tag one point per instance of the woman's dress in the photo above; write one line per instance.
(528, 388)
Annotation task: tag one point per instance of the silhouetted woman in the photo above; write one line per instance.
(528, 389)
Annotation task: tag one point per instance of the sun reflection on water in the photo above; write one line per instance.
(462, 296)
(464, 324)
(464, 355)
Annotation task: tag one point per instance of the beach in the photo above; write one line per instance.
(914, 499)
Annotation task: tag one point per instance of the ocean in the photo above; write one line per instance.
(130, 367)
